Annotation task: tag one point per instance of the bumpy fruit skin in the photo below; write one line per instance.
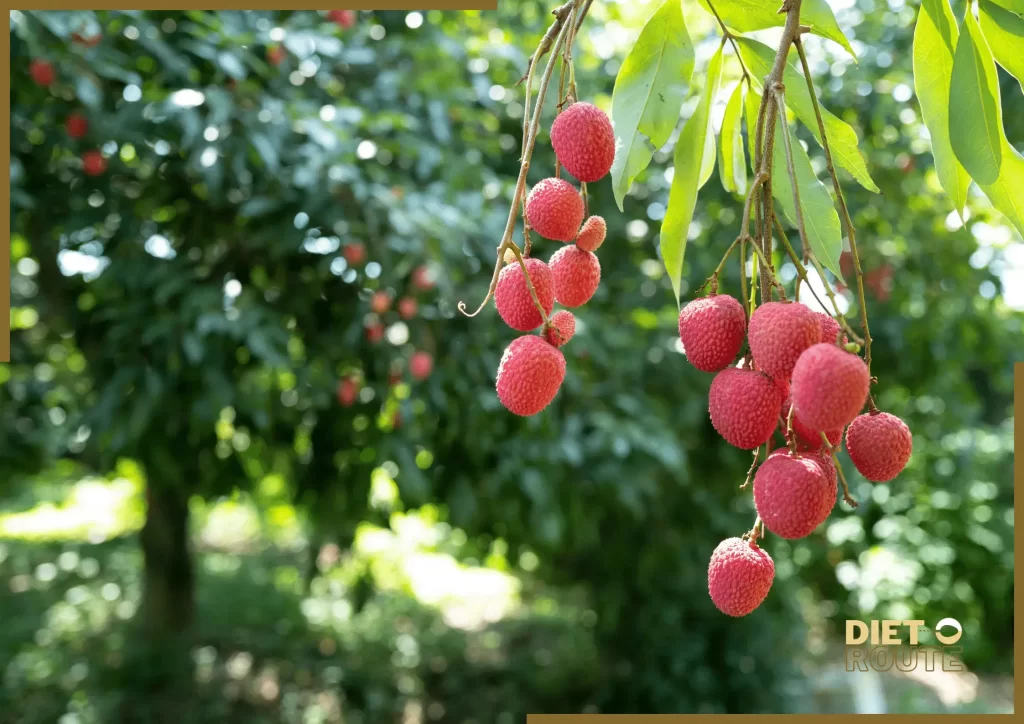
(42, 72)
(779, 332)
(711, 330)
(806, 438)
(577, 274)
(563, 327)
(76, 125)
(879, 445)
(584, 141)
(592, 234)
(93, 163)
(793, 494)
(829, 387)
(529, 375)
(830, 329)
(554, 209)
(744, 406)
(512, 296)
(421, 364)
(739, 576)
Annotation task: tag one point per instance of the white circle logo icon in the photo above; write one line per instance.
(948, 623)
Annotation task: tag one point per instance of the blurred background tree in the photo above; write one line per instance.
(233, 232)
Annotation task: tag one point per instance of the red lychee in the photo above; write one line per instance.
(554, 209)
(793, 494)
(830, 329)
(375, 332)
(42, 72)
(76, 125)
(592, 234)
(423, 278)
(744, 406)
(806, 438)
(354, 253)
(345, 18)
(348, 390)
(577, 274)
(824, 459)
(530, 373)
(421, 364)
(711, 330)
(829, 387)
(512, 296)
(879, 445)
(584, 141)
(89, 42)
(563, 327)
(407, 307)
(93, 163)
(739, 576)
(778, 333)
(276, 55)
(380, 302)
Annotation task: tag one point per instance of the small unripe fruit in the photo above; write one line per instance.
(421, 364)
(42, 72)
(778, 333)
(793, 494)
(554, 209)
(744, 406)
(76, 125)
(345, 18)
(354, 253)
(348, 390)
(93, 163)
(879, 445)
(711, 330)
(423, 278)
(592, 234)
(739, 576)
(375, 332)
(830, 329)
(407, 307)
(806, 438)
(830, 386)
(577, 274)
(512, 296)
(584, 141)
(563, 327)
(380, 302)
(530, 373)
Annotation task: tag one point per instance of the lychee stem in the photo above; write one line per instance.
(529, 283)
(847, 498)
(753, 466)
(729, 36)
(790, 437)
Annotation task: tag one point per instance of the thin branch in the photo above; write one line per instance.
(732, 40)
(787, 143)
(849, 499)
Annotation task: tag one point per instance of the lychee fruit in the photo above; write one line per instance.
(592, 233)
(89, 42)
(744, 406)
(584, 141)
(513, 299)
(423, 278)
(354, 253)
(76, 125)
(829, 387)
(348, 390)
(739, 576)
(421, 364)
(711, 330)
(879, 445)
(793, 494)
(577, 274)
(563, 327)
(830, 329)
(778, 333)
(824, 459)
(375, 332)
(276, 55)
(529, 375)
(93, 163)
(380, 302)
(407, 307)
(345, 18)
(554, 209)
(806, 438)
(42, 72)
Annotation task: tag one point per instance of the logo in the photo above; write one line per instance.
(884, 644)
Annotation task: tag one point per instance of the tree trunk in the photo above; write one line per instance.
(168, 594)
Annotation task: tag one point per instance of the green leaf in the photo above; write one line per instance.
(1004, 32)
(821, 220)
(842, 138)
(688, 159)
(732, 163)
(649, 91)
(88, 92)
(935, 38)
(1007, 192)
(749, 15)
(975, 121)
(707, 161)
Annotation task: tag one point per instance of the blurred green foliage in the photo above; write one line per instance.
(192, 309)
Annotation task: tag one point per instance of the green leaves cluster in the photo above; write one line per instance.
(649, 93)
(956, 81)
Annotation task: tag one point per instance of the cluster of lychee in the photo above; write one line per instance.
(800, 379)
(532, 368)
(76, 125)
